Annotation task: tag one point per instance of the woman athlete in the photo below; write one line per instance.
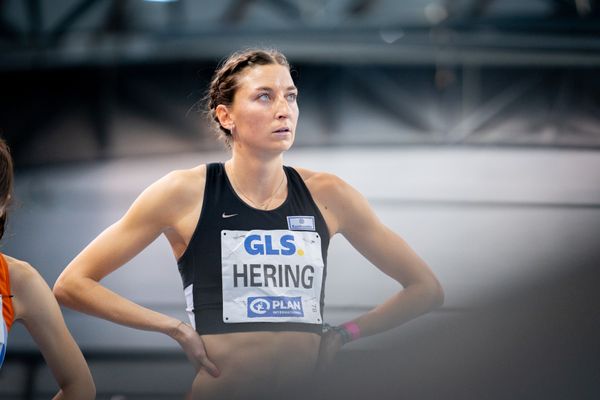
(250, 236)
(27, 299)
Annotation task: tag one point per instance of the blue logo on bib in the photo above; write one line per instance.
(275, 306)
(259, 245)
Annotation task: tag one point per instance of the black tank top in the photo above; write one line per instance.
(247, 269)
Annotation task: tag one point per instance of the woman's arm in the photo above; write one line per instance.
(37, 309)
(348, 212)
(154, 212)
(78, 286)
(351, 215)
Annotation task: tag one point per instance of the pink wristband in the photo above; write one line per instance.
(352, 329)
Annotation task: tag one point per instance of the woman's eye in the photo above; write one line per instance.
(264, 97)
(292, 96)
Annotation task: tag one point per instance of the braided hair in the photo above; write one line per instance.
(224, 82)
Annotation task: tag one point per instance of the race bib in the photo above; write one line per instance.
(271, 276)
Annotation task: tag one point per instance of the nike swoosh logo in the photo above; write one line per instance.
(228, 215)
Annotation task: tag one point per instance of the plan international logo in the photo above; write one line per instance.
(275, 306)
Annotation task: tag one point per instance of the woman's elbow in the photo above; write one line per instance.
(65, 290)
(431, 294)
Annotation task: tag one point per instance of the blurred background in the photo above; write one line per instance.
(472, 127)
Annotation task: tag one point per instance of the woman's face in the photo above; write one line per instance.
(264, 112)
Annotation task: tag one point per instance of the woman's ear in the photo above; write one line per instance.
(224, 117)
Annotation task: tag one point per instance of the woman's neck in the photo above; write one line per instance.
(259, 181)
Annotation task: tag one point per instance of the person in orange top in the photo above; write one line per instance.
(8, 313)
(26, 298)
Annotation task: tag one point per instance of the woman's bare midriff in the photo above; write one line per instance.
(257, 364)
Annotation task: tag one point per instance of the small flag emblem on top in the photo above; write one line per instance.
(301, 223)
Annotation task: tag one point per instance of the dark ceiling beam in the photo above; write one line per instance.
(478, 8)
(28, 129)
(238, 9)
(99, 108)
(154, 105)
(7, 29)
(34, 14)
(63, 26)
(564, 16)
(575, 8)
(288, 8)
(492, 109)
(176, 16)
(564, 8)
(491, 49)
(382, 92)
(327, 85)
(361, 7)
(116, 17)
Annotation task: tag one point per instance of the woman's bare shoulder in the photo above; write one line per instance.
(27, 286)
(19, 270)
(184, 181)
(316, 177)
(175, 192)
(321, 183)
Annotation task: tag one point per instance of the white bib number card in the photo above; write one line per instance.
(271, 276)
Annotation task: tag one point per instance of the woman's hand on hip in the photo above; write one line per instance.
(193, 346)
(331, 343)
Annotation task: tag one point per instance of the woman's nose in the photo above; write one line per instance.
(283, 109)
